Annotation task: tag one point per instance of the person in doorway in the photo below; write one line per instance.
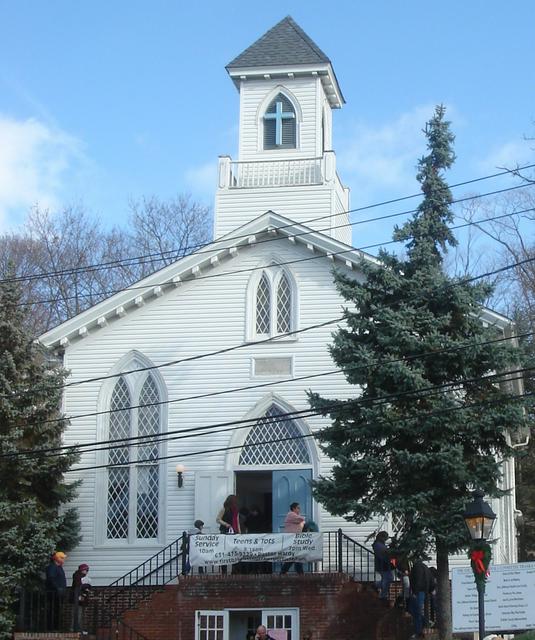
(75, 596)
(262, 634)
(293, 523)
(228, 518)
(383, 566)
(420, 578)
(55, 585)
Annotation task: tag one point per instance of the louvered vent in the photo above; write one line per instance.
(280, 116)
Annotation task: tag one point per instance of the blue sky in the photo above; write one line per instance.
(102, 102)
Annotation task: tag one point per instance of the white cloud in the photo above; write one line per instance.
(509, 154)
(202, 181)
(35, 160)
(380, 161)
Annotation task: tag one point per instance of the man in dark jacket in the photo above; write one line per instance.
(420, 578)
(383, 565)
(55, 585)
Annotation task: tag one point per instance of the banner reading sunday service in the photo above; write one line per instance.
(215, 550)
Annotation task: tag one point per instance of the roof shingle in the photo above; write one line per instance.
(283, 45)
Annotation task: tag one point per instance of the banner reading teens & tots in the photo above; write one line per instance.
(214, 550)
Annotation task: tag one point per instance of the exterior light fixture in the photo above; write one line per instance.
(479, 519)
(180, 468)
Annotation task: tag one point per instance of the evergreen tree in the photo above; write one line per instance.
(419, 454)
(32, 488)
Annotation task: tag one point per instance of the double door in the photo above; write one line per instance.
(281, 623)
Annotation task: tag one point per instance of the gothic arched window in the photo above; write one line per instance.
(274, 440)
(273, 303)
(133, 500)
(280, 124)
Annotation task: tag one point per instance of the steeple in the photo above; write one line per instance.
(286, 46)
(288, 91)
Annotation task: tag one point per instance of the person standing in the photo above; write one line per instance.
(194, 531)
(293, 523)
(55, 585)
(228, 518)
(383, 566)
(262, 634)
(76, 596)
(420, 585)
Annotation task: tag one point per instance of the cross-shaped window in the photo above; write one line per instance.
(280, 124)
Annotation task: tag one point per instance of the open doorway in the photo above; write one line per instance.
(243, 624)
(255, 494)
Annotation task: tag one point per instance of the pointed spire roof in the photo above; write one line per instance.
(284, 44)
(286, 50)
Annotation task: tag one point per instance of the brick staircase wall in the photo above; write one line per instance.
(331, 606)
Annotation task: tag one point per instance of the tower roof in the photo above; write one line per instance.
(284, 44)
(286, 50)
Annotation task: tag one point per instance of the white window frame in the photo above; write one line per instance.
(134, 381)
(274, 274)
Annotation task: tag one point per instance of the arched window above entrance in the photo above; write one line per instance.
(282, 442)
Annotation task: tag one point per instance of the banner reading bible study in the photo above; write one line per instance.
(214, 550)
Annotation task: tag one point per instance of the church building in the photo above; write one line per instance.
(211, 357)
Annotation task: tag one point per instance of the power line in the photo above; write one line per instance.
(268, 384)
(278, 440)
(213, 430)
(256, 242)
(150, 257)
(266, 340)
(148, 439)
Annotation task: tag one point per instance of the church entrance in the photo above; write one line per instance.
(271, 467)
(265, 497)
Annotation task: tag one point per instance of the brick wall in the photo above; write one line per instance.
(331, 607)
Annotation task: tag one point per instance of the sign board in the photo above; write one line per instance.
(509, 598)
(214, 550)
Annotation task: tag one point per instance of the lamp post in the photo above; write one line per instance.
(479, 519)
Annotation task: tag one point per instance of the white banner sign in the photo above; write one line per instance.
(214, 550)
(509, 598)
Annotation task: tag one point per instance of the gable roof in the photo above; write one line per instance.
(222, 250)
(283, 45)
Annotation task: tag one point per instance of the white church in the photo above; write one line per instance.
(218, 347)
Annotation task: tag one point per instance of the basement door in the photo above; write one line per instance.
(284, 621)
(211, 625)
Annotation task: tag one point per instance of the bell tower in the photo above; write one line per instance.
(288, 91)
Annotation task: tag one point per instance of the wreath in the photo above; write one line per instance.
(480, 555)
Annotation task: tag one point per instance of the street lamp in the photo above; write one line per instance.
(479, 519)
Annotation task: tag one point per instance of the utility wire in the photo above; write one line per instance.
(150, 257)
(275, 440)
(213, 430)
(238, 271)
(261, 385)
(352, 402)
(266, 340)
(355, 367)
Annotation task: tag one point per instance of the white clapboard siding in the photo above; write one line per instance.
(253, 97)
(235, 207)
(200, 316)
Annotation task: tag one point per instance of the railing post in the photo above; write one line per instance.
(224, 172)
(185, 552)
(340, 552)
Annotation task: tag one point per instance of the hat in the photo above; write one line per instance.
(198, 524)
(83, 567)
(59, 555)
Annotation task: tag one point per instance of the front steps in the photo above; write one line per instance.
(331, 606)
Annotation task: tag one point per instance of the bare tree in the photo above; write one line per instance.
(167, 230)
(69, 261)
